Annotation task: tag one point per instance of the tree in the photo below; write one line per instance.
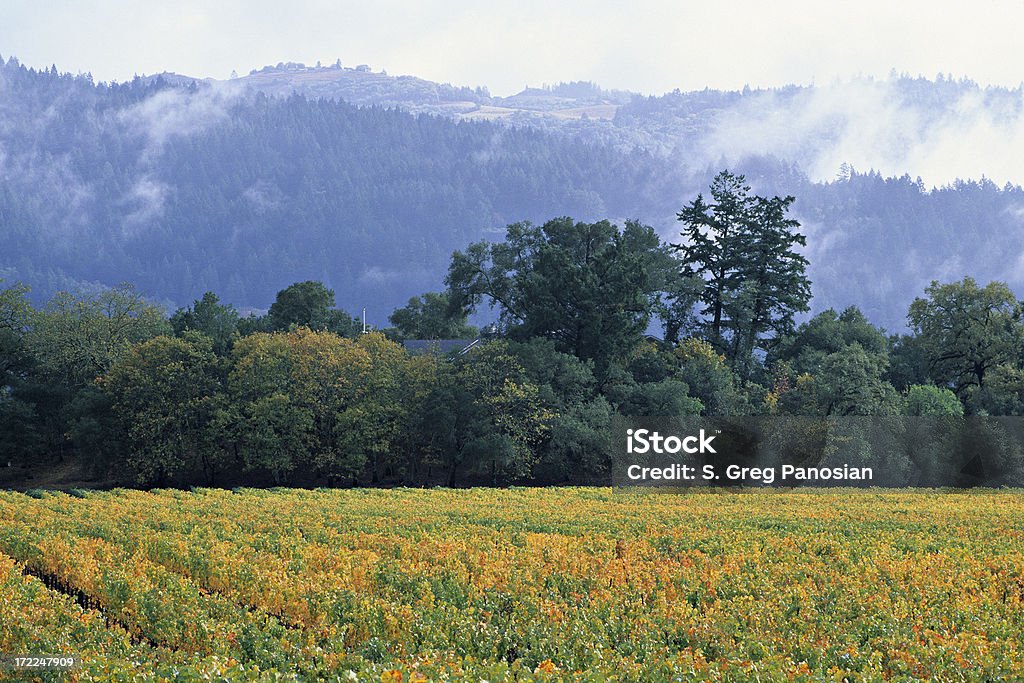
(18, 417)
(165, 392)
(270, 433)
(1004, 391)
(373, 423)
(77, 337)
(826, 333)
(288, 392)
(72, 340)
(847, 382)
(303, 303)
(743, 248)
(712, 249)
(15, 316)
(852, 382)
(580, 438)
(931, 401)
(19, 425)
(410, 450)
(644, 384)
(709, 378)
(589, 287)
(217, 321)
(909, 361)
(668, 397)
(485, 416)
(309, 304)
(676, 308)
(966, 331)
(431, 317)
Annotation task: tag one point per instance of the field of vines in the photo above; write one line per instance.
(515, 584)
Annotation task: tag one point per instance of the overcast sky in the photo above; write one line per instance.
(651, 46)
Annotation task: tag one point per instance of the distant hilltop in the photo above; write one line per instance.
(939, 128)
(362, 86)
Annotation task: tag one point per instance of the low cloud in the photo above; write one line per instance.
(165, 115)
(939, 131)
(145, 202)
(263, 196)
(174, 112)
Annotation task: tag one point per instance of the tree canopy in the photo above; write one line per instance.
(431, 316)
(592, 288)
(302, 395)
(967, 330)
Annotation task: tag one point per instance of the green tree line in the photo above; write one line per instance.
(302, 395)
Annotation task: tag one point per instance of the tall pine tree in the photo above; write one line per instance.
(743, 248)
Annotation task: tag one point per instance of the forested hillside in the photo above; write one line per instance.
(183, 190)
(183, 187)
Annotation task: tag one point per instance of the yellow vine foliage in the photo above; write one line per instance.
(516, 584)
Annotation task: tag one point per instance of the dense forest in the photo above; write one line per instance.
(304, 395)
(184, 190)
(183, 187)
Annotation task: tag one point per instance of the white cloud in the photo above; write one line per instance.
(166, 114)
(178, 112)
(869, 124)
(145, 201)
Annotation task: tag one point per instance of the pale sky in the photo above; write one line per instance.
(651, 46)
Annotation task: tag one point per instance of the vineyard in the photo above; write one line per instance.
(515, 584)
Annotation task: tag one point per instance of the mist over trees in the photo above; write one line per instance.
(183, 190)
(182, 187)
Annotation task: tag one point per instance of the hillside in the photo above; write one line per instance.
(941, 130)
(182, 186)
(181, 189)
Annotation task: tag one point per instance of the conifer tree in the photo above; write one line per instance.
(742, 247)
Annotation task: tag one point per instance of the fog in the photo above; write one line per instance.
(879, 125)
